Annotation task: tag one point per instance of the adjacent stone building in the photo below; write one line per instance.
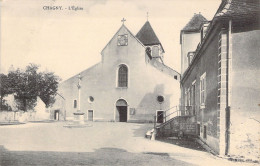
(220, 77)
(130, 84)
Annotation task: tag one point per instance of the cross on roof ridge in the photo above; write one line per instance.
(123, 20)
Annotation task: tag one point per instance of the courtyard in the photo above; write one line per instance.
(101, 143)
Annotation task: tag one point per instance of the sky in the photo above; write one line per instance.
(67, 42)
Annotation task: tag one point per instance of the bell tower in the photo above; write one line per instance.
(147, 36)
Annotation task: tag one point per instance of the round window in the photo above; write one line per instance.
(91, 99)
(160, 99)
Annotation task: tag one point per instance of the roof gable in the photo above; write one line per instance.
(122, 27)
(195, 23)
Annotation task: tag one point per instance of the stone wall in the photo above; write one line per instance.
(245, 94)
(177, 124)
(21, 116)
(206, 63)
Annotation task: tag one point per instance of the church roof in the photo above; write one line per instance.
(147, 36)
(164, 68)
(195, 23)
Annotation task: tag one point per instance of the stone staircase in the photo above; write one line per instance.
(181, 123)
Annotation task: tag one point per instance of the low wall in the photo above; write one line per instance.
(21, 116)
(180, 123)
(7, 116)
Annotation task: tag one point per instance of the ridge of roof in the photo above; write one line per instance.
(195, 23)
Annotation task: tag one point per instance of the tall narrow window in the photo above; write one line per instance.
(188, 97)
(203, 89)
(193, 96)
(205, 132)
(122, 76)
(188, 107)
(75, 104)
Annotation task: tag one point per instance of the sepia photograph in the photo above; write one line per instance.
(130, 82)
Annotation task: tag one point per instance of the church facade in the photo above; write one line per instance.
(130, 84)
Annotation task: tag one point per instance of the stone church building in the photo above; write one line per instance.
(130, 84)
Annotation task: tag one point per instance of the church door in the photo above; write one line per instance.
(160, 115)
(56, 115)
(122, 111)
(121, 107)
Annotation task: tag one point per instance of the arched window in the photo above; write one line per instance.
(122, 76)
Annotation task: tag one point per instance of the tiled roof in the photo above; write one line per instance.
(236, 10)
(239, 9)
(195, 23)
(147, 36)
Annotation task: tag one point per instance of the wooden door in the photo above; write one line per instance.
(90, 115)
(160, 115)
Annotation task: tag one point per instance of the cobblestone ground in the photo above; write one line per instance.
(99, 144)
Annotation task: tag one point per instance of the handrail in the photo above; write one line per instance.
(167, 110)
(164, 113)
(156, 116)
(171, 113)
(171, 108)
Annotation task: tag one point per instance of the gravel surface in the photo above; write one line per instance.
(101, 143)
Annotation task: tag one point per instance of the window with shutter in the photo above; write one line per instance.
(203, 89)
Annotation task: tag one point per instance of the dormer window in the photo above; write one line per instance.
(203, 30)
(190, 57)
